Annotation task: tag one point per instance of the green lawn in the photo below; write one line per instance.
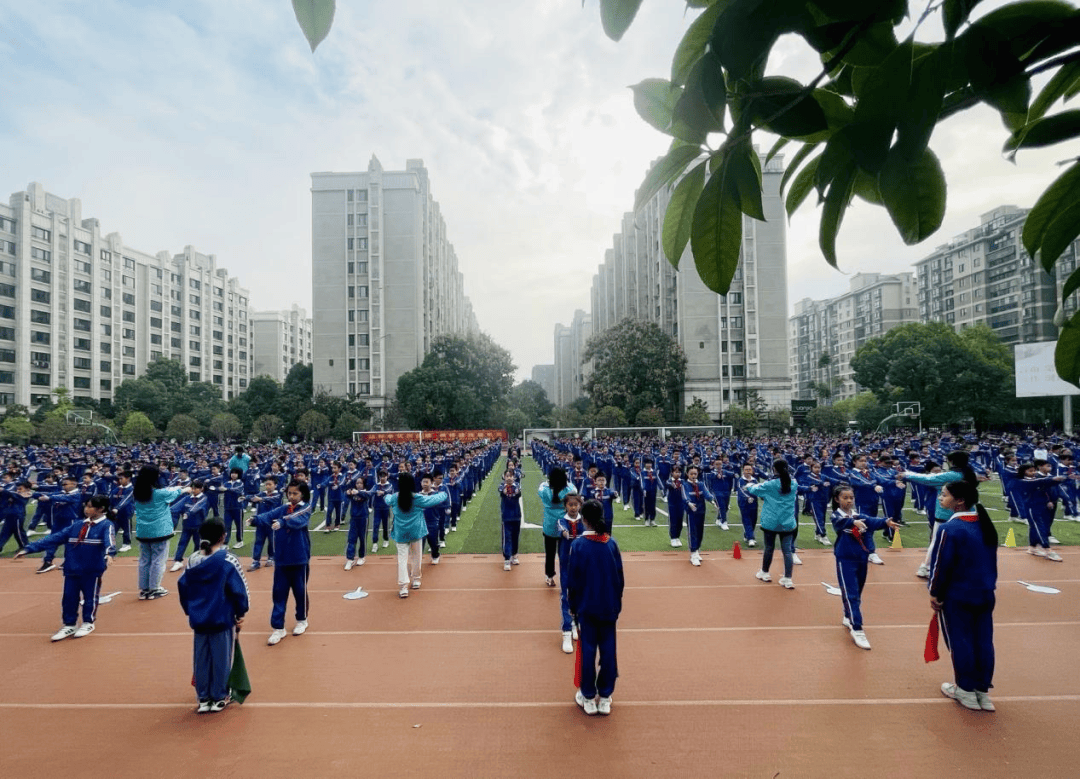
(479, 529)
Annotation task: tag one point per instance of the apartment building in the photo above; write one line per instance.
(280, 340)
(570, 373)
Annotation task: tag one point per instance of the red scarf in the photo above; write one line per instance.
(601, 537)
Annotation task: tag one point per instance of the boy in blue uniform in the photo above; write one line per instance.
(292, 548)
(510, 511)
(193, 516)
(570, 527)
(267, 500)
(380, 511)
(66, 509)
(356, 544)
(124, 507)
(234, 507)
(594, 591)
(90, 544)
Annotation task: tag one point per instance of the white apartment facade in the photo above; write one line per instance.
(280, 340)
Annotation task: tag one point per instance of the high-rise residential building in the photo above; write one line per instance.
(544, 375)
(280, 340)
(385, 280)
(570, 373)
(984, 276)
(83, 311)
(825, 334)
(734, 343)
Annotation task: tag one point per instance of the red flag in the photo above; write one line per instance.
(577, 665)
(930, 654)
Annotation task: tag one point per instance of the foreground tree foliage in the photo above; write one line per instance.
(862, 126)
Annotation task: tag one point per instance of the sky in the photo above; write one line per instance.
(199, 122)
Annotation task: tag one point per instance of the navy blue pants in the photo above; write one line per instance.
(234, 517)
(286, 578)
(432, 538)
(722, 500)
(357, 535)
(212, 663)
(650, 506)
(638, 499)
(320, 498)
(123, 524)
(969, 634)
(817, 511)
(695, 527)
(13, 527)
(333, 513)
(381, 517)
(187, 534)
(748, 514)
(88, 587)
(455, 513)
(263, 535)
(852, 579)
(597, 636)
(675, 519)
(510, 535)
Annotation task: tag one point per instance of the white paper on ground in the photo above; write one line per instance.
(829, 588)
(1040, 588)
(356, 594)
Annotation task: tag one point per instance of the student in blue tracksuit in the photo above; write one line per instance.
(356, 545)
(292, 557)
(266, 501)
(675, 506)
(570, 527)
(453, 486)
(124, 507)
(720, 481)
(818, 491)
(637, 497)
(748, 507)
(696, 496)
(380, 510)
(852, 554)
(66, 509)
(607, 497)
(510, 511)
(193, 517)
(233, 489)
(320, 479)
(214, 595)
(959, 469)
(433, 516)
(552, 494)
(90, 544)
(335, 497)
(963, 577)
(13, 500)
(778, 520)
(594, 590)
(650, 482)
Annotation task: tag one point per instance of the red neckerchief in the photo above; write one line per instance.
(697, 492)
(966, 516)
(601, 537)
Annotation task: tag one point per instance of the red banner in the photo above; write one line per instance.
(391, 438)
(413, 436)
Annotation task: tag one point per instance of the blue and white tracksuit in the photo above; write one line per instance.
(852, 551)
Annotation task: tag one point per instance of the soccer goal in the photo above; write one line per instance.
(549, 434)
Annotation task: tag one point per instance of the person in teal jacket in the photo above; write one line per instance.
(959, 470)
(410, 528)
(777, 519)
(153, 529)
(552, 493)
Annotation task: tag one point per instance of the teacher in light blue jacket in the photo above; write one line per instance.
(777, 520)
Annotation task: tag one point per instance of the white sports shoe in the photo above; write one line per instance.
(724, 526)
(923, 571)
(573, 631)
(300, 629)
(435, 560)
(751, 542)
(65, 632)
(676, 542)
(238, 545)
(385, 543)
(176, 567)
(85, 629)
(603, 706)
(765, 576)
(442, 545)
(795, 559)
(515, 561)
(276, 636)
(375, 547)
(860, 639)
(873, 558)
(825, 541)
(695, 559)
(403, 592)
(416, 584)
(361, 560)
(969, 700)
(846, 623)
(349, 564)
(588, 704)
(125, 548)
(506, 566)
(786, 583)
(567, 643)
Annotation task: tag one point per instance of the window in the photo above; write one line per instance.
(243, 355)
(219, 321)
(7, 377)
(218, 335)
(127, 281)
(352, 291)
(106, 275)
(176, 310)
(194, 284)
(349, 195)
(40, 296)
(82, 344)
(155, 321)
(365, 364)
(38, 400)
(83, 286)
(7, 355)
(7, 225)
(106, 255)
(82, 305)
(104, 347)
(128, 334)
(350, 247)
(736, 346)
(217, 379)
(218, 365)
(176, 294)
(128, 369)
(40, 233)
(106, 329)
(219, 349)
(38, 337)
(352, 364)
(352, 340)
(362, 244)
(219, 292)
(82, 267)
(219, 306)
(361, 292)
(175, 343)
(176, 327)
(194, 330)
(129, 264)
(155, 305)
(81, 324)
(365, 339)
(194, 299)
(361, 267)
(194, 361)
(352, 315)
(7, 333)
(8, 312)
(7, 290)
(365, 388)
(194, 315)
(81, 382)
(106, 385)
(128, 298)
(737, 370)
(36, 274)
(105, 366)
(40, 379)
(195, 346)
(350, 224)
(128, 316)
(155, 338)
(363, 314)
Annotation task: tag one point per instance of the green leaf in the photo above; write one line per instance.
(776, 147)
(665, 171)
(1063, 192)
(836, 158)
(832, 214)
(679, 216)
(616, 16)
(1067, 351)
(1071, 285)
(1065, 80)
(1062, 230)
(696, 112)
(654, 100)
(1011, 99)
(315, 18)
(866, 187)
(692, 46)
(1047, 131)
(747, 29)
(744, 172)
(914, 192)
(783, 106)
(956, 13)
(922, 108)
(801, 187)
(796, 161)
(716, 233)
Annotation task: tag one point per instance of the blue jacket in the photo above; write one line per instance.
(81, 558)
(411, 526)
(292, 543)
(510, 503)
(213, 591)
(195, 512)
(847, 546)
(553, 507)
(594, 578)
(777, 509)
(963, 568)
(153, 520)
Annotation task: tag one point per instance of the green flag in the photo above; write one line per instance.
(239, 684)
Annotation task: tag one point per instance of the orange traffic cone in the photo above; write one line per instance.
(736, 552)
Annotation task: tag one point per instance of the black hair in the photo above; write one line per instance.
(780, 466)
(1022, 468)
(145, 483)
(557, 482)
(958, 461)
(239, 450)
(968, 494)
(26, 484)
(406, 488)
(198, 483)
(100, 502)
(592, 512)
(237, 471)
(212, 531)
(844, 487)
(305, 490)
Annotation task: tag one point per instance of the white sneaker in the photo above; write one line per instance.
(567, 643)
(374, 548)
(751, 542)
(85, 629)
(435, 560)
(724, 526)
(676, 542)
(300, 629)
(276, 636)
(825, 541)
(786, 583)
(403, 592)
(588, 704)
(846, 623)
(603, 706)
(416, 584)
(442, 545)
(1052, 555)
(349, 564)
(238, 545)
(204, 706)
(873, 558)
(795, 559)
(1038, 551)
(453, 528)
(125, 548)
(506, 566)
(65, 632)
(763, 575)
(923, 571)
(1053, 540)
(969, 700)
(176, 567)
(695, 559)
(720, 524)
(549, 581)
(385, 543)
(984, 701)
(859, 637)
(573, 631)
(360, 561)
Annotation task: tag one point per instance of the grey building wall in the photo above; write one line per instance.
(544, 375)
(280, 340)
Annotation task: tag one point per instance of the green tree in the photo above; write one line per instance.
(347, 424)
(183, 427)
(462, 383)
(313, 426)
(531, 399)
(826, 419)
(266, 428)
(743, 421)
(225, 426)
(862, 126)
(697, 413)
(635, 365)
(138, 427)
(296, 397)
(651, 416)
(609, 416)
(514, 422)
(18, 428)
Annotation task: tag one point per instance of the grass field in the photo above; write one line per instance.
(479, 529)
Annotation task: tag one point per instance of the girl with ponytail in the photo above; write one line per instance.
(963, 577)
(959, 470)
(777, 520)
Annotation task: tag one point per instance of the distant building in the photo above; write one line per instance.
(385, 280)
(280, 340)
(570, 374)
(81, 310)
(544, 375)
(825, 334)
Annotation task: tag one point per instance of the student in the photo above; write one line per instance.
(356, 545)
(748, 509)
(292, 557)
(962, 582)
(552, 494)
(778, 518)
(817, 499)
(649, 485)
(852, 557)
(720, 481)
(510, 510)
(696, 496)
(13, 513)
(1032, 492)
(267, 500)
(594, 590)
(193, 517)
(453, 486)
(234, 507)
(606, 496)
(675, 506)
(214, 595)
(570, 527)
(959, 469)
(90, 544)
(66, 509)
(335, 498)
(380, 510)
(410, 529)
(432, 520)
(124, 503)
